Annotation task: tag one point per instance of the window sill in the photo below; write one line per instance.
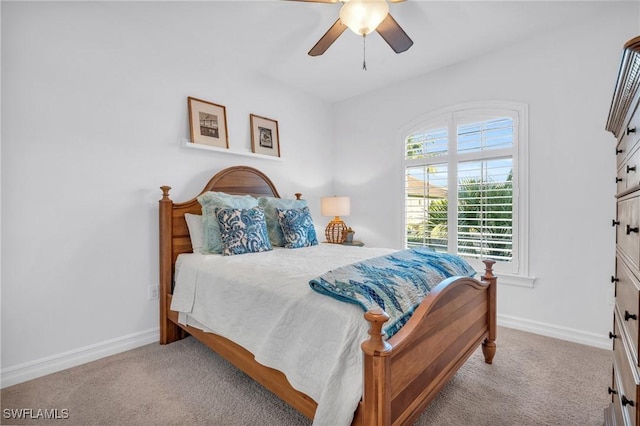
(514, 280)
(504, 277)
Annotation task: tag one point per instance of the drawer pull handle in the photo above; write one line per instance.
(626, 401)
(631, 130)
(618, 151)
(611, 391)
(631, 168)
(615, 222)
(628, 316)
(618, 179)
(612, 336)
(614, 279)
(630, 229)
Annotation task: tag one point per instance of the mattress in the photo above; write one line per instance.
(263, 302)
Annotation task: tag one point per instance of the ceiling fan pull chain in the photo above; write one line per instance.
(364, 52)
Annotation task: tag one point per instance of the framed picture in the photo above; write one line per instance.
(208, 123)
(264, 136)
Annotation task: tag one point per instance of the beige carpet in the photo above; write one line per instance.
(534, 381)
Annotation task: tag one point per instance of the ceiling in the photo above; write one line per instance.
(274, 36)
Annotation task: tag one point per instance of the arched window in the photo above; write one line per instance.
(466, 183)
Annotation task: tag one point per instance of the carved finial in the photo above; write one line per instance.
(376, 345)
(298, 196)
(165, 192)
(488, 269)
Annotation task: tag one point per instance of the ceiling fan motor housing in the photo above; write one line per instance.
(363, 16)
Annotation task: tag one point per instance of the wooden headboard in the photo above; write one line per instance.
(238, 180)
(174, 234)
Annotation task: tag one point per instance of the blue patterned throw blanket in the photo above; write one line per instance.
(396, 282)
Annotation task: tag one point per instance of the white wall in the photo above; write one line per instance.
(94, 110)
(567, 79)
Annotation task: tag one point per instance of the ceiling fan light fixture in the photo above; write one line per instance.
(363, 16)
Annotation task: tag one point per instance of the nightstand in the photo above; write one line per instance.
(353, 243)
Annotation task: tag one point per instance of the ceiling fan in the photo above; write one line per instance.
(363, 17)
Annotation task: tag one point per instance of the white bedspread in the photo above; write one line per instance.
(263, 302)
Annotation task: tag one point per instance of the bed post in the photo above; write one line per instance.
(169, 332)
(376, 392)
(489, 344)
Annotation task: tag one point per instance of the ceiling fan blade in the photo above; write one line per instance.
(394, 35)
(328, 38)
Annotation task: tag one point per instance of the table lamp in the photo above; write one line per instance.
(336, 230)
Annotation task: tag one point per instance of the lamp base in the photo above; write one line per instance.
(336, 231)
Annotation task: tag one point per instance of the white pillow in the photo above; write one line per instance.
(196, 231)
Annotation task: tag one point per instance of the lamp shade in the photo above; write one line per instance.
(363, 16)
(335, 206)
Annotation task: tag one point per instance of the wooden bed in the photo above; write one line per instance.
(401, 375)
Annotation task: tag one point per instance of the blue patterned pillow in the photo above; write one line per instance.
(210, 202)
(297, 228)
(270, 206)
(243, 231)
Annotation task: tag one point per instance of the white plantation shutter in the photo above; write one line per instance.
(428, 143)
(461, 184)
(426, 191)
(488, 134)
(485, 210)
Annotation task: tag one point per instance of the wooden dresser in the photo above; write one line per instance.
(624, 123)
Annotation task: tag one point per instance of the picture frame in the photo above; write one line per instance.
(265, 138)
(208, 123)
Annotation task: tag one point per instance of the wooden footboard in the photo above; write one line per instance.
(402, 375)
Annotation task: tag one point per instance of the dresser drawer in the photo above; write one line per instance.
(629, 141)
(614, 389)
(625, 382)
(628, 224)
(624, 414)
(632, 170)
(628, 306)
(629, 172)
(616, 405)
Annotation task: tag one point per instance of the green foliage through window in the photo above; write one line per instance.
(484, 220)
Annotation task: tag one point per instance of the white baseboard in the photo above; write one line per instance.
(559, 332)
(41, 367)
(38, 368)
